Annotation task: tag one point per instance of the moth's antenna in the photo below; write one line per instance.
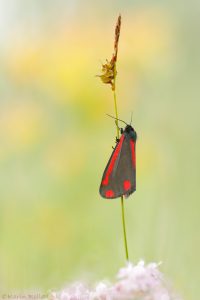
(117, 119)
(131, 117)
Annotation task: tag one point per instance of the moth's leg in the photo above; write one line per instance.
(116, 141)
(120, 129)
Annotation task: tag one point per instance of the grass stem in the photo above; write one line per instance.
(122, 198)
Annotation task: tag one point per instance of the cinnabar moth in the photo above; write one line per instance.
(119, 177)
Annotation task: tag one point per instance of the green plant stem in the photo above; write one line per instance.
(124, 228)
(122, 198)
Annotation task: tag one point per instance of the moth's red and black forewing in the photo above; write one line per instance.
(119, 177)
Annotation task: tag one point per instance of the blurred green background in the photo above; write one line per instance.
(55, 140)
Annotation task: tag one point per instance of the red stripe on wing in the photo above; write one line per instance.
(112, 162)
(132, 144)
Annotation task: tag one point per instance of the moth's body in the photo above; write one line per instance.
(119, 177)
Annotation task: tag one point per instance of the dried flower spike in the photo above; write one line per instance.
(117, 34)
(109, 68)
(108, 73)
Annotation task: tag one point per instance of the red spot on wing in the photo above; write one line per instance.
(132, 144)
(112, 162)
(127, 185)
(110, 193)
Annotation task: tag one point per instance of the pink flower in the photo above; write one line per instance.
(134, 282)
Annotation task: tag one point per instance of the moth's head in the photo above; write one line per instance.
(131, 131)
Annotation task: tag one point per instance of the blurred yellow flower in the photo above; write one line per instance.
(21, 125)
(65, 157)
(148, 35)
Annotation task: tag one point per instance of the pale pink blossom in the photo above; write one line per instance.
(134, 282)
